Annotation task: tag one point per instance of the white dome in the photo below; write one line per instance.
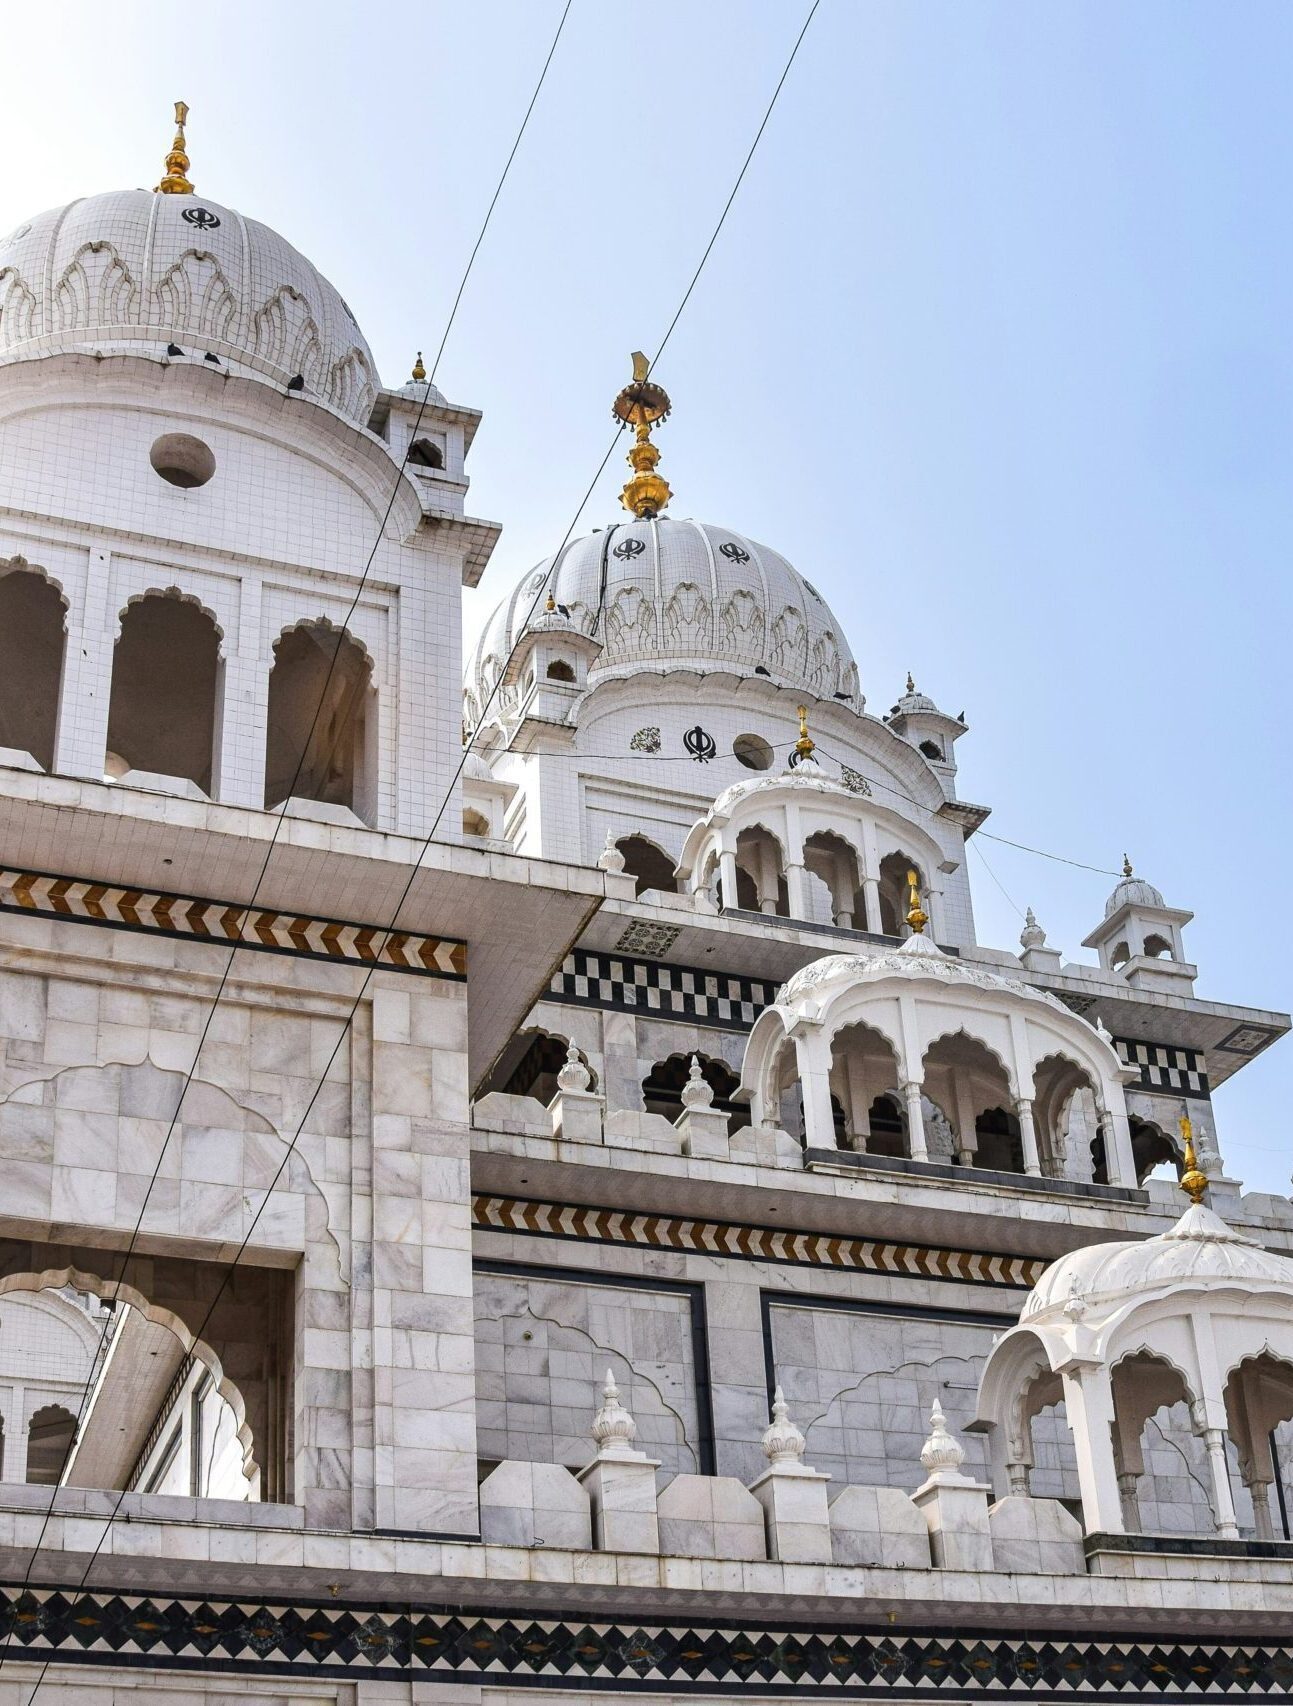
(1200, 1250)
(666, 594)
(917, 958)
(1132, 891)
(113, 273)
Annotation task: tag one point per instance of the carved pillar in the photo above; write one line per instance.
(727, 877)
(1028, 1136)
(797, 891)
(915, 1122)
(871, 904)
(1088, 1399)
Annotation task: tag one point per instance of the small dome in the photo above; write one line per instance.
(664, 594)
(132, 270)
(1200, 1250)
(917, 958)
(1132, 891)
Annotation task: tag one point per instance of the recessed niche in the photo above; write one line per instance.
(182, 460)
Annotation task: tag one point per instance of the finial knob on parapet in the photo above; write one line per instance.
(643, 404)
(176, 181)
(1194, 1181)
(941, 1450)
(782, 1442)
(1032, 935)
(696, 1092)
(574, 1075)
(613, 1427)
(610, 858)
(917, 917)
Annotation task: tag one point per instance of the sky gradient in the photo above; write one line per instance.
(994, 347)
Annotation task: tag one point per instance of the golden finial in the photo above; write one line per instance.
(551, 605)
(911, 685)
(419, 372)
(804, 745)
(917, 917)
(177, 161)
(1126, 866)
(642, 405)
(1194, 1181)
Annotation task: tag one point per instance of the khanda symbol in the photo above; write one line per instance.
(699, 744)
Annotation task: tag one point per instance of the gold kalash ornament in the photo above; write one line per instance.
(1193, 1181)
(642, 405)
(177, 161)
(917, 917)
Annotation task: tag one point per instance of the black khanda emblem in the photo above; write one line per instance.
(733, 552)
(699, 744)
(202, 217)
(630, 548)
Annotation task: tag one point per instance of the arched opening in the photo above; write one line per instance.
(663, 1086)
(1120, 955)
(971, 1088)
(649, 866)
(932, 751)
(1066, 1117)
(560, 670)
(474, 822)
(165, 674)
(529, 1065)
(50, 1433)
(832, 868)
(894, 891)
(152, 1415)
(32, 640)
(423, 453)
(1155, 1154)
(865, 1093)
(760, 873)
(321, 739)
(1157, 948)
(1161, 1464)
(1259, 1402)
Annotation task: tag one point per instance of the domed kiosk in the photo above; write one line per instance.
(1201, 1314)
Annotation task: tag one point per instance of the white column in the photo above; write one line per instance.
(727, 877)
(1088, 1400)
(871, 901)
(1118, 1157)
(814, 1077)
(767, 879)
(797, 891)
(82, 736)
(239, 771)
(1223, 1502)
(1028, 1136)
(915, 1121)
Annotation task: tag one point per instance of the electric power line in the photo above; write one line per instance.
(390, 929)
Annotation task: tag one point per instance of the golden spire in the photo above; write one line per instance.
(911, 685)
(1126, 866)
(419, 372)
(1194, 1181)
(176, 181)
(642, 405)
(804, 745)
(917, 917)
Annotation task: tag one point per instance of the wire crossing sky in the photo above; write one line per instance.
(994, 348)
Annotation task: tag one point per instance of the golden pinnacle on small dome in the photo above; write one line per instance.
(911, 685)
(643, 404)
(917, 917)
(551, 605)
(1193, 1181)
(176, 181)
(1126, 866)
(419, 372)
(804, 745)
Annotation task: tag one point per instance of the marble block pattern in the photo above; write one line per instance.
(703, 1516)
(542, 1350)
(535, 1504)
(1035, 1536)
(878, 1526)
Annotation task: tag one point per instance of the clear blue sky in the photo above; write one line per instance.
(995, 347)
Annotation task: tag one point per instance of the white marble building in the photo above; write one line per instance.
(582, 1212)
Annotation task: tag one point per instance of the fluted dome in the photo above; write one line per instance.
(679, 595)
(1200, 1250)
(132, 271)
(1132, 891)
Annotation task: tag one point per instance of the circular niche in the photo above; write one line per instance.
(753, 751)
(182, 460)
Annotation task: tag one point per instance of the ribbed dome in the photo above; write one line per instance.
(680, 595)
(132, 270)
(1200, 1250)
(1132, 891)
